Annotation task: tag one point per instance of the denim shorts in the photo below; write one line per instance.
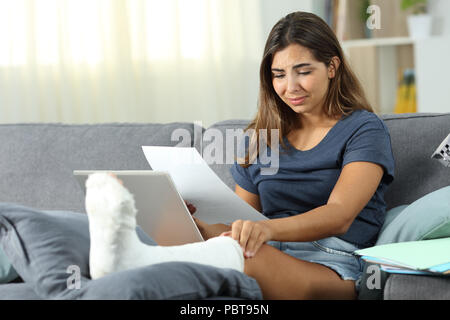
(332, 252)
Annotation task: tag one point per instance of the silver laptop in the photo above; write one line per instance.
(161, 211)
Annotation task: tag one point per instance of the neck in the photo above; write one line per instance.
(309, 122)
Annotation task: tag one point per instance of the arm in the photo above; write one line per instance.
(251, 198)
(355, 187)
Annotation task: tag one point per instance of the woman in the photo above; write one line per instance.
(326, 199)
(337, 166)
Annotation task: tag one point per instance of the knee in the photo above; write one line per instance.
(259, 263)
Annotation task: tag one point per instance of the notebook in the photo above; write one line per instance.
(415, 257)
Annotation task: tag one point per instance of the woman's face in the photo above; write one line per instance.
(300, 80)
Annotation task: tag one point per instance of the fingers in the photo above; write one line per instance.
(115, 177)
(201, 226)
(250, 235)
(190, 207)
(253, 244)
(236, 229)
(198, 222)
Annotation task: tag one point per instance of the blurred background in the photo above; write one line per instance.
(91, 61)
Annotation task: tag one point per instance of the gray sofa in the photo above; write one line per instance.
(37, 160)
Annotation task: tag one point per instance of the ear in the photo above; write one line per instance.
(333, 67)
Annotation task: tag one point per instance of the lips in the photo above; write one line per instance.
(297, 101)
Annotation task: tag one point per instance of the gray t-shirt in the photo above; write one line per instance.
(305, 179)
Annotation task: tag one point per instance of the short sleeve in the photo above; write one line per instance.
(242, 177)
(372, 143)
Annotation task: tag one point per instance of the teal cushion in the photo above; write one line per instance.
(7, 272)
(391, 215)
(425, 218)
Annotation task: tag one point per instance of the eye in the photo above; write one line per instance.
(278, 76)
(304, 73)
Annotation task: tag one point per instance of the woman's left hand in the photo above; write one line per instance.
(190, 207)
(251, 235)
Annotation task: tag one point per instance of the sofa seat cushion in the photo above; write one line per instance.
(18, 291)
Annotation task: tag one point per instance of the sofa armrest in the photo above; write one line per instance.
(415, 287)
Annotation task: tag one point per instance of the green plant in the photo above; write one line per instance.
(417, 6)
(363, 13)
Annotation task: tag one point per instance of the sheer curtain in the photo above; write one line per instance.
(87, 61)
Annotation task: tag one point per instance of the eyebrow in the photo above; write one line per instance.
(301, 65)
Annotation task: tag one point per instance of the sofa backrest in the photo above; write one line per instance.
(37, 160)
(414, 138)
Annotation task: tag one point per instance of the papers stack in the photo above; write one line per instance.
(198, 184)
(426, 257)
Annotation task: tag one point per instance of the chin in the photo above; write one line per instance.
(299, 109)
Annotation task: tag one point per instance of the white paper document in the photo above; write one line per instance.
(198, 184)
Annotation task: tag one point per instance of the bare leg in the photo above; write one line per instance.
(281, 276)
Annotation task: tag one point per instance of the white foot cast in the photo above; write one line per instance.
(116, 247)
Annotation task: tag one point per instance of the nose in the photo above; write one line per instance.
(292, 84)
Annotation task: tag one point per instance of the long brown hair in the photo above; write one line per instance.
(345, 93)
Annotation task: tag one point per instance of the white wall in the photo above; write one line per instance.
(440, 9)
(430, 56)
(274, 10)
